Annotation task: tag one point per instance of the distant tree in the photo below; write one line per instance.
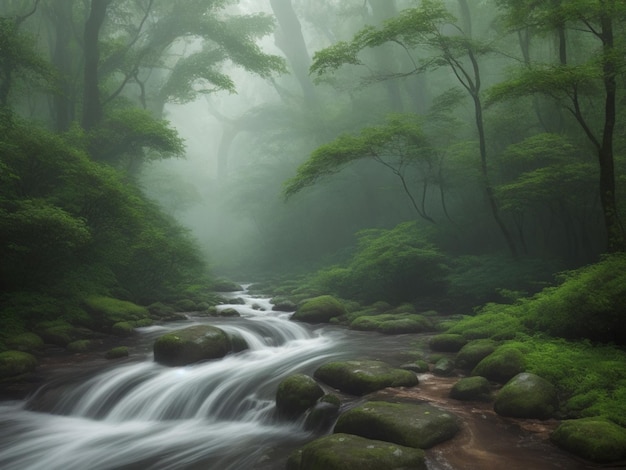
(578, 88)
(430, 27)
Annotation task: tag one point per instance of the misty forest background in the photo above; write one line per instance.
(445, 153)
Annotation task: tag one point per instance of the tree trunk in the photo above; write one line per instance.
(92, 106)
(62, 103)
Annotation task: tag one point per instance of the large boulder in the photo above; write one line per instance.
(296, 394)
(501, 365)
(447, 342)
(413, 425)
(319, 310)
(527, 396)
(349, 452)
(192, 344)
(362, 377)
(595, 439)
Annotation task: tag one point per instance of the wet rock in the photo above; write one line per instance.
(501, 365)
(474, 352)
(349, 452)
(527, 396)
(444, 367)
(224, 285)
(122, 329)
(362, 377)
(296, 394)
(319, 310)
(595, 439)
(412, 425)
(471, 389)
(117, 353)
(25, 342)
(323, 414)
(228, 312)
(447, 342)
(419, 366)
(283, 305)
(192, 344)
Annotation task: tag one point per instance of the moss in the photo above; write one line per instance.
(501, 365)
(296, 394)
(117, 353)
(14, 363)
(471, 388)
(80, 346)
(224, 285)
(362, 377)
(108, 311)
(186, 305)
(474, 352)
(123, 329)
(527, 396)
(24, 342)
(593, 439)
(495, 322)
(319, 310)
(447, 342)
(192, 344)
(389, 323)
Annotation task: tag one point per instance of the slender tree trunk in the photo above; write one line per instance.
(92, 106)
(62, 105)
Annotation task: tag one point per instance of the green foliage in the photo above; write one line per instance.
(494, 321)
(395, 144)
(14, 363)
(396, 265)
(589, 303)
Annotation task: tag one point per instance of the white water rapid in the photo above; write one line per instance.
(141, 415)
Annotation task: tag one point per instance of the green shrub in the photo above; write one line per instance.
(396, 265)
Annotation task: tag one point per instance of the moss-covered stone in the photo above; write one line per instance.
(186, 305)
(26, 342)
(117, 353)
(192, 344)
(123, 329)
(527, 396)
(106, 311)
(419, 366)
(474, 352)
(224, 285)
(390, 323)
(228, 312)
(350, 452)
(595, 439)
(471, 389)
(501, 365)
(412, 425)
(362, 377)
(79, 346)
(296, 394)
(14, 363)
(58, 333)
(444, 367)
(282, 304)
(319, 310)
(447, 342)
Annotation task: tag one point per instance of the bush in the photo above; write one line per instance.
(396, 265)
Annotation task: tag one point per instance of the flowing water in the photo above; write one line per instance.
(213, 415)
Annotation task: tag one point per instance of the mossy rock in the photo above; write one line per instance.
(123, 329)
(391, 324)
(594, 439)
(26, 342)
(192, 344)
(350, 452)
(447, 342)
(319, 310)
(228, 312)
(282, 304)
(444, 367)
(107, 311)
(58, 333)
(237, 342)
(224, 285)
(473, 352)
(296, 394)
(14, 363)
(323, 414)
(413, 425)
(80, 346)
(362, 377)
(159, 310)
(501, 365)
(471, 389)
(116, 353)
(527, 396)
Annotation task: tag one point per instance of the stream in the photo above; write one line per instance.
(219, 415)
